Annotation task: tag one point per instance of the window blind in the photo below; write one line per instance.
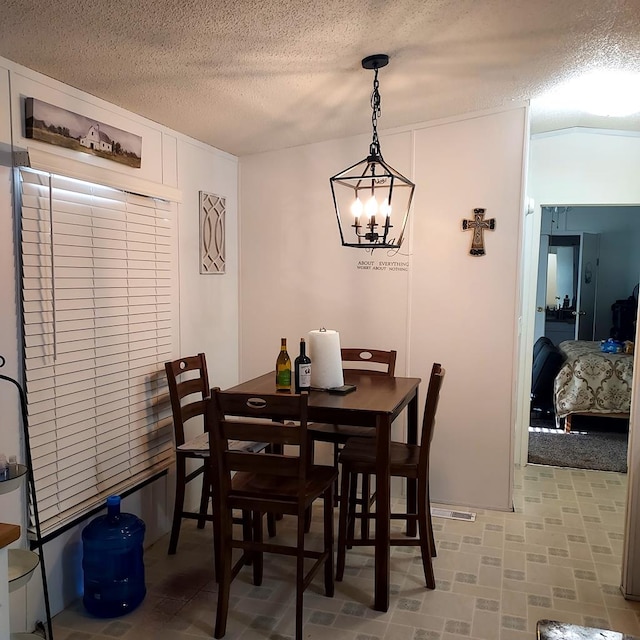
(96, 285)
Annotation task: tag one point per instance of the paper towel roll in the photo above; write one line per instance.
(326, 360)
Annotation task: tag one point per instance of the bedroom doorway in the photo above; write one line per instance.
(586, 270)
(573, 163)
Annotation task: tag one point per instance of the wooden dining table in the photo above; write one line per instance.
(376, 402)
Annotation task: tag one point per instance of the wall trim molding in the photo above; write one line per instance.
(586, 130)
(53, 163)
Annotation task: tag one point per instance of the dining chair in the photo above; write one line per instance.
(407, 461)
(188, 383)
(283, 482)
(188, 386)
(373, 362)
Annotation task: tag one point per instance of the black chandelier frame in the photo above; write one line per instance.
(369, 177)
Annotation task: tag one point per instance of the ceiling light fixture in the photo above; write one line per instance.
(370, 196)
(602, 92)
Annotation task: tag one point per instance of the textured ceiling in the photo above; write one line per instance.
(253, 76)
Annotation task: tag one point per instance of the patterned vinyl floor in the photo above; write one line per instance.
(557, 556)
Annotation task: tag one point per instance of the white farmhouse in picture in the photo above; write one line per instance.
(96, 139)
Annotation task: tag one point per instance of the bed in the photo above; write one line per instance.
(591, 382)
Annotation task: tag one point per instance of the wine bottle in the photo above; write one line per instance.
(302, 369)
(283, 368)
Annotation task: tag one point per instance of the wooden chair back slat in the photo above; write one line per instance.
(189, 387)
(266, 464)
(272, 406)
(191, 410)
(248, 431)
(194, 369)
(231, 416)
(362, 361)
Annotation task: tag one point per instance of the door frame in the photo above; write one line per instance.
(544, 243)
(630, 569)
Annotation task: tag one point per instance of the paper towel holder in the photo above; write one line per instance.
(326, 358)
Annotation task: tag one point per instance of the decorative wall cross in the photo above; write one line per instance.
(478, 224)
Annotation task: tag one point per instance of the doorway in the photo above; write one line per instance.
(567, 284)
(585, 271)
(570, 166)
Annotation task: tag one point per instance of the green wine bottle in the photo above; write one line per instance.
(302, 369)
(283, 368)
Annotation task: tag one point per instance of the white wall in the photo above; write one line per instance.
(206, 311)
(464, 307)
(447, 307)
(209, 321)
(294, 275)
(584, 166)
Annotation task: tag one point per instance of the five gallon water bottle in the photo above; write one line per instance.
(113, 562)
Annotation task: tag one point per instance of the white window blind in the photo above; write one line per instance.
(97, 330)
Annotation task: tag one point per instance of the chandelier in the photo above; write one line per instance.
(372, 199)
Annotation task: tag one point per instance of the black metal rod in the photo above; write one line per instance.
(32, 489)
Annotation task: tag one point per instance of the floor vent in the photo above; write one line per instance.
(453, 515)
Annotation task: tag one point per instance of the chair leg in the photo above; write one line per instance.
(423, 535)
(411, 505)
(271, 525)
(342, 523)
(178, 504)
(217, 537)
(432, 540)
(353, 501)
(300, 575)
(366, 506)
(257, 556)
(247, 533)
(336, 453)
(329, 586)
(222, 609)
(308, 514)
(205, 494)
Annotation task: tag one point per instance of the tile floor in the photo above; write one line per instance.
(557, 556)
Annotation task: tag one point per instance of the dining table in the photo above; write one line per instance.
(376, 402)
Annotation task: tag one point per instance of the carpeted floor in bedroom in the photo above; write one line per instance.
(593, 443)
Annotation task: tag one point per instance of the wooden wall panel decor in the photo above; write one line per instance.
(212, 231)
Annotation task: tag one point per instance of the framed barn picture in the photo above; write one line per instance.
(63, 128)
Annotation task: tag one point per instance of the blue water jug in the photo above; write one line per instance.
(112, 562)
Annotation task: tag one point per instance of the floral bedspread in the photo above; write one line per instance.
(591, 381)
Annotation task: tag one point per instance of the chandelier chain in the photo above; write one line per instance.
(375, 114)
